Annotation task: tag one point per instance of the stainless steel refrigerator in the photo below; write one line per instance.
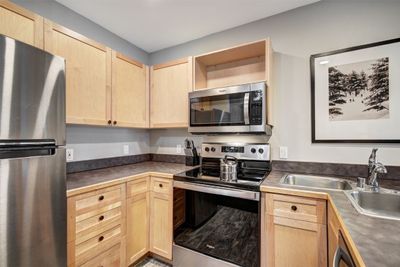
(33, 209)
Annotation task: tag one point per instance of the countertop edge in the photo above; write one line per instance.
(100, 185)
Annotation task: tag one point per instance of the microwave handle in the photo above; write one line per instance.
(340, 254)
(246, 103)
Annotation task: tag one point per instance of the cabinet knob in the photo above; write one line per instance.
(109, 122)
(294, 208)
(160, 185)
(115, 122)
(101, 238)
(101, 218)
(101, 198)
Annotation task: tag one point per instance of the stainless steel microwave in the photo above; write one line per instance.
(235, 109)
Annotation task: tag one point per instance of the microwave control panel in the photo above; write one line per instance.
(256, 107)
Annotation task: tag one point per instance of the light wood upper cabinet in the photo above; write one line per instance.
(88, 74)
(21, 24)
(170, 84)
(161, 217)
(293, 231)
(240, 64)
(130, 92)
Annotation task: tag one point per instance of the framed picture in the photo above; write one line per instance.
(355, 94)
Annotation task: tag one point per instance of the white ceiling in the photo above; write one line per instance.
(156, 24)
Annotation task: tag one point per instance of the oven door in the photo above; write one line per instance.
(215, 226)
(238, 109)
(342, 256)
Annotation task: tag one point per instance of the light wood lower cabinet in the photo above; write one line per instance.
(333, 234)
(137, 227)
(161, 217)
(293, 231)
(118, 225)
(21, 24)
(96, 227)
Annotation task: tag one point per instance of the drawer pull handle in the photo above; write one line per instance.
(160, 185)
(101, 198)
(101, 238)
(101, 218)
(294, 208)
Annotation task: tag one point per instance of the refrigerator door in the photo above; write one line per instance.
(32, 93)
(33, 211)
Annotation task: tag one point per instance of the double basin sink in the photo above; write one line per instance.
(383, 204)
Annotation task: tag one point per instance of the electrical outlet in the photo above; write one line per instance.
(70, 154)
(126, 149)
(283, 152)
(179, 149)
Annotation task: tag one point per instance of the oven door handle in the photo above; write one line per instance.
(216, 190)
(246, 103)
(340, 254)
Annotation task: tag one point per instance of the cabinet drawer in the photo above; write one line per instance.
(97, 245)
(109, 258)
(298, 208)
(160, 185)
(93, 226)
(97, 199)
(137, 186)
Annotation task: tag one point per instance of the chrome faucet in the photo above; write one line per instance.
(378, 168)
(372, 161)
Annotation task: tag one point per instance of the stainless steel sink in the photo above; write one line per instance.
(384, 204)
(312, 181)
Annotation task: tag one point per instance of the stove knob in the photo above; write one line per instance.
(261, 151)
(207, 149)
(213, 149)
(253, 150)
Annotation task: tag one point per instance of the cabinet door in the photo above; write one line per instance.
(130, 92)
(333, 234)
(88, 75)
(21, 24)
(137, 228)
(170, 84)
(161, 224)
(295, 243)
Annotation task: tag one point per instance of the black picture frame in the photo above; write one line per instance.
(312, 73)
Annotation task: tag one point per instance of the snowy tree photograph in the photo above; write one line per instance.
(359, 91)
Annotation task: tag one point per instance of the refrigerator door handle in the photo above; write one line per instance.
(27, 143)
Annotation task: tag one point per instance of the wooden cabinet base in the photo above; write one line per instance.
(293, 231)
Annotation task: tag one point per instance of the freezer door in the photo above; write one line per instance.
(33, 211)
(32, 93)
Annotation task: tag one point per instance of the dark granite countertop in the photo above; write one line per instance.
(377, 240)
(102, 176)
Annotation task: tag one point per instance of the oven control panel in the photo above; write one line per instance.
(254, 151)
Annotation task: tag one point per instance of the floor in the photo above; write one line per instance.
(151, 262)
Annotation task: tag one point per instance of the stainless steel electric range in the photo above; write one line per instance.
(217, 222)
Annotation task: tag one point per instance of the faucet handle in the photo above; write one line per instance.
(380, 168)
(361, 182)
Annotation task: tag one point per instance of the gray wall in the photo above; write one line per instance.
(320, 27)
(103, 142)
(94, 142)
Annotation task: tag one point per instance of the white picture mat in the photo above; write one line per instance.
(357, 129)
